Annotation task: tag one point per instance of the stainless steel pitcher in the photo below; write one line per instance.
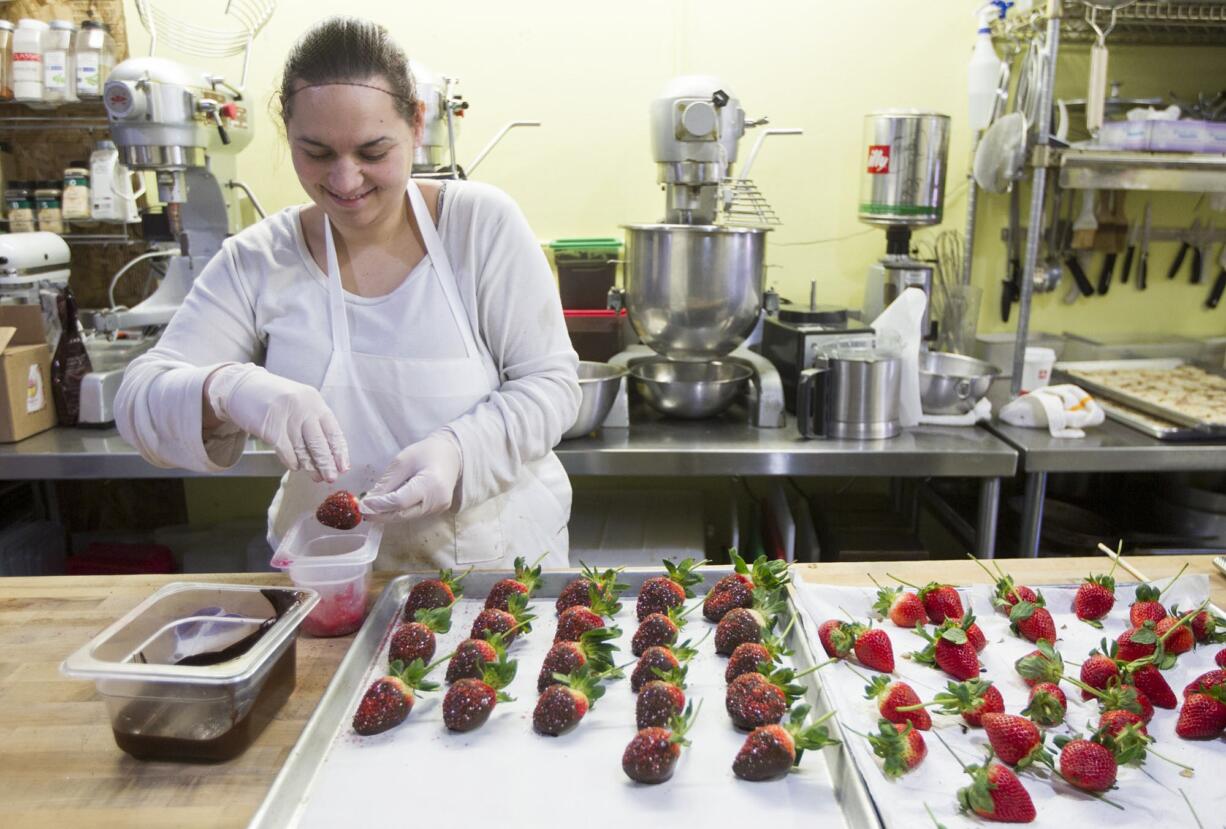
(852, 392)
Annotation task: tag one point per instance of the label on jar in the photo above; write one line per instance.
(21, 220)
(27, 67)
(36, 398)
(76, 200)
(88, 83)
(55, 72)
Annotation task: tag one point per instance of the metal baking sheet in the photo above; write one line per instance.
(1148, 424)
(332, 777)
(1201, 429)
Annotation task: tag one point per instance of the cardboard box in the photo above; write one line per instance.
(26, 405)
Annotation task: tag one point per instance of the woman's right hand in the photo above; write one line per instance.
(291, 417)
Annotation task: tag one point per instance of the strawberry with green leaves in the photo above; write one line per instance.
(578, 591)
(416, 639)
(576, 620)
(764, 698)
(950, 648)
(468, 703)
(1095, 597)
(1087, 765)
(1149, 641)
(941, 601)
(900, 746)
(1203, 715)
(1006, 592)
(1099, 669)
(871, 645)
(1207, 628)
(389, 699)
(1033, 621)
(660, 658)
(661, 699)
(652, 754)
(524, 583)
(1206, 680)
(1047, 705)
(1147, 606)
(749, 624)
(1016, 740)
(1149, 680)
(659, 629)
(661, 594)
(1181, 639)
(750, 656)
(771, 751)
(897, 702)
(510, 622)
(970, 699)
(996, 794)
(1044, 664)
(826, 633)
(1118, 697)
(563, 704)
(472, 655)
(737, 589)
(594, 649)
(428, 594)
(900, 606)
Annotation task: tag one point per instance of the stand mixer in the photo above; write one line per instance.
(694, 283)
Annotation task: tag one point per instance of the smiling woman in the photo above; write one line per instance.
(391, 338)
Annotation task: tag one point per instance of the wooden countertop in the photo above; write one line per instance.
(59, 764)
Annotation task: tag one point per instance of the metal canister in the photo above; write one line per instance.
(903, 178)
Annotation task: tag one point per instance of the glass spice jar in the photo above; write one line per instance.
(48, 206)
(19, 206)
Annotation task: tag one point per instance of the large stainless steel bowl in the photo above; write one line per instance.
(693, 292)
(689, 390)
(598, 382)
(952, 383)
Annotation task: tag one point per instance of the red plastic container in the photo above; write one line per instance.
(596, 335)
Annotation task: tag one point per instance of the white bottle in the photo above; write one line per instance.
(104, 168)
(28, 60)
(983, 74)
(59, 63)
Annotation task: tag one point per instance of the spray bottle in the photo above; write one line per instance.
(983, 74)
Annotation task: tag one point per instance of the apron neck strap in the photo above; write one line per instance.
(336, 294)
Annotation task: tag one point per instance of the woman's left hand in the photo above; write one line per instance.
(420, 481)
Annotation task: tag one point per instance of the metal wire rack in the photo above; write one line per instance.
(1147, 22)
(245, 18)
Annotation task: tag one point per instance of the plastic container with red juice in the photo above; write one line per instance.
(336, 564)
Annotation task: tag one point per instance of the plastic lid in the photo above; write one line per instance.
(104, 144)
(63, 25)
(93, 24)
(1034, 352)
(31, 23)
(5, 24)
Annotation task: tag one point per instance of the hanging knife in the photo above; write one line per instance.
(1129, 251)
(1147, 226)
(1184, 247)
(1200, 252)
(1219, 285)
(1104, 274)
(1079, 275)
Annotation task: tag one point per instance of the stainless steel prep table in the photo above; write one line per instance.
(650, 448)
(1111, 447)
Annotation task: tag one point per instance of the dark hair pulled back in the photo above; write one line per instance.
(349, 49)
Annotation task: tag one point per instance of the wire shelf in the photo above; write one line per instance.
(1143, 23)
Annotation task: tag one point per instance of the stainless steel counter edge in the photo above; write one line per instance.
(657, 448)
(1111, 447)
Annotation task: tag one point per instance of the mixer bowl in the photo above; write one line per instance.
(599, 383)
(952, 383)
(693, 292)
(689, 390)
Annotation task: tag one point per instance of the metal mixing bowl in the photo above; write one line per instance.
(952, 383)
(693, 292)
(599, 383)
(689, 390)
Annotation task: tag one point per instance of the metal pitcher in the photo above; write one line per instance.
(852, 392)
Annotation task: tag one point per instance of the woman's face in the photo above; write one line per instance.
(352, 151)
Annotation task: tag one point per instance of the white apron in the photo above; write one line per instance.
(384, 404)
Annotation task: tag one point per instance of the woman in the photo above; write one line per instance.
(396, 338)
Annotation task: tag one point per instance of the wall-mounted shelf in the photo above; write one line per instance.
(1143, 23)
(1121, 170)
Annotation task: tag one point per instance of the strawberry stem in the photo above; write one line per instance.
(1195, 816)
(950, 750)
(857, 673)
(917, 707)
(1088, 689)
(1149, 750)
(1184, 619)
(1172, 581)
(1096, 795)
(900, 581)
(813, 668)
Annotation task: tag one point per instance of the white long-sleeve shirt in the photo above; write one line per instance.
(263, 299)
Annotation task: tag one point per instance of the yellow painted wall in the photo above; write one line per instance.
(589, 70)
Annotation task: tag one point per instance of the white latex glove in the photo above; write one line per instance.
(420, 481)
(290, 416)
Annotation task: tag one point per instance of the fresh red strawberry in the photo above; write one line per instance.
(579, 619)
(1220, 658)
(770, 751)
(1203, 716)
(1207, 680)
(1176, 635)
(1147, 607)
(902, 607)
(339, 511)
(1016, 740)
(594, 649)
(471, 657)
(1032, 621)
(468, 703)
(977, 639)
(1042, 665)
(972, 699)
(525, 582)
(652, 754)
(1204, 625)
(1098, 671)
(1120, 697)
(662, 593)
(389, 699)
(996, 794)
(660, 700)
(826, 633)
(578, 591)
(941, 602)
(658, 630)
(873, 650)
(891, 696)
(659, 660)
(510, 623)
(900, 746)
(1149, 680)
(1087, 765)
(1136, 643)
(1007, 592)
(1112, 723)
(950, 649)
(741, 624)
(434, 593)
(1095, 598)
(749, 656)
(762, 699)
(1047, 704)
(416, 640)
(562, 706)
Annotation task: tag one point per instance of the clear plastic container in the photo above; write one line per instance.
(196, 671)
(334, 563)
(28, 60)
(59, 63)
(94, 56)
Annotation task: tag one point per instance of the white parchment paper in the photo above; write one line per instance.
(1150, 793)
(505, 774)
